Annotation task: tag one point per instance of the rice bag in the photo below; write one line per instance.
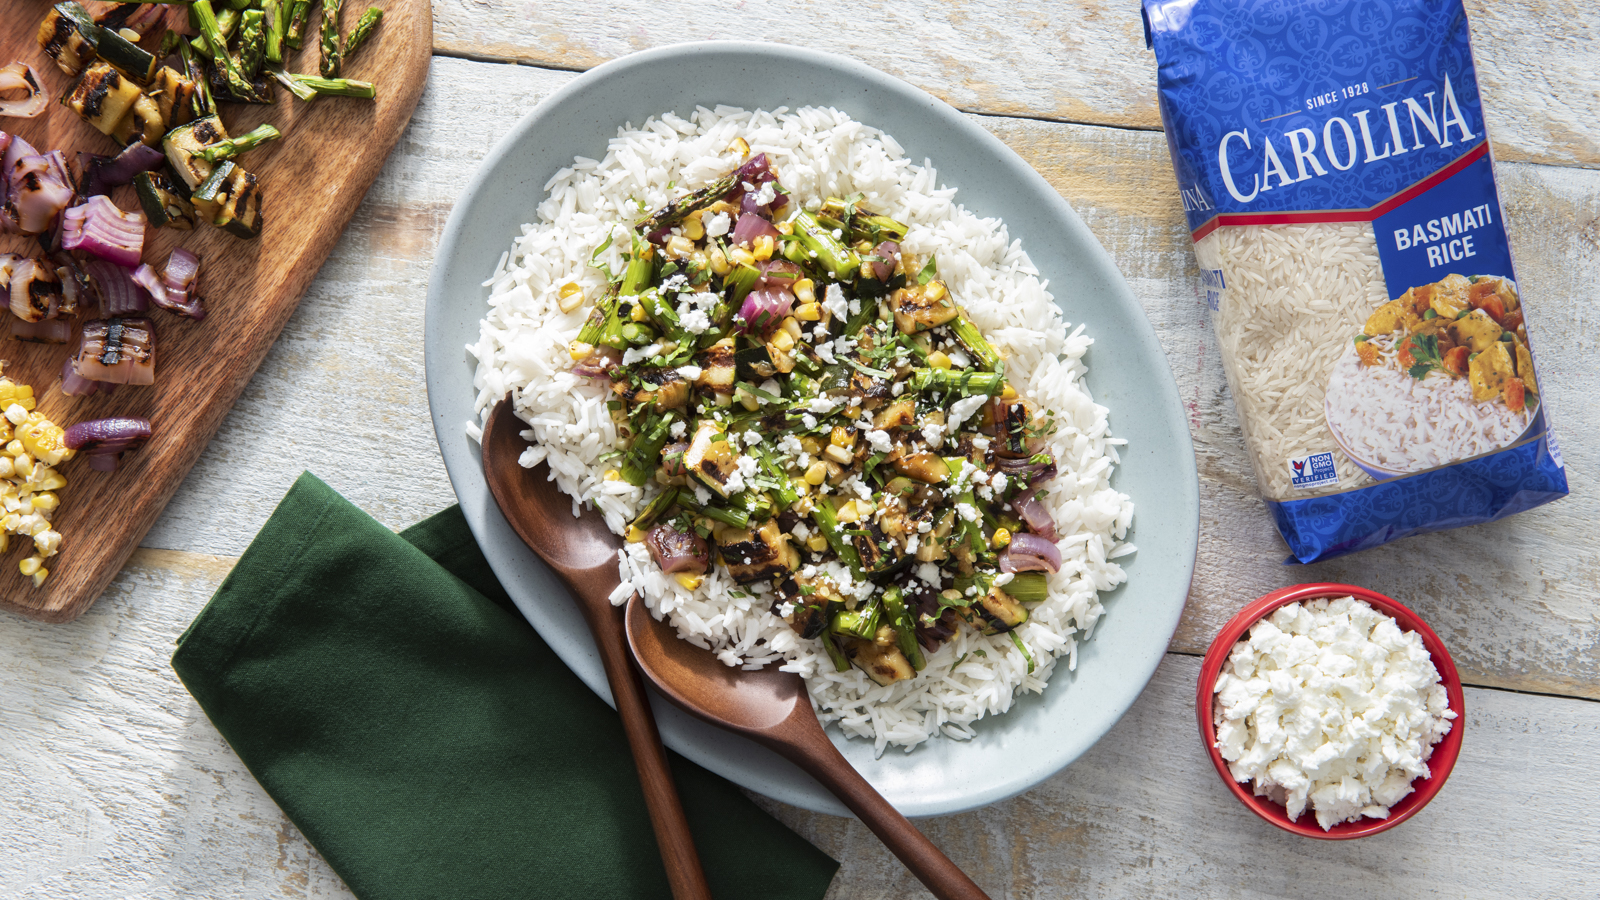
(1337, 179)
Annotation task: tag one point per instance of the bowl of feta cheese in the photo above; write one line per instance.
(1330, 710)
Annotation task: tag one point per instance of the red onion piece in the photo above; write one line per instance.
(1036, 516)
(45, 331)
(672, 458)
(751, 226)
(146, 277)
(1030, 553)
(35, 290)
(16, 149)
(778, 273)
(99, 228)
(764, 308)
(890, 253)
(20, 76)
(75, 385)
(599, 363)
(105, 440)
(183, 268)
(127, 165)
(756, 171)
(173, 290)
(37, 195)
(118, 294)
(1028, 471)
(676, 551)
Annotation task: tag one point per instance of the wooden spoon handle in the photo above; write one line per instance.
(808, 747)
(684, 874)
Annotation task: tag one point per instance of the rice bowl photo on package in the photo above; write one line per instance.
(838, 418)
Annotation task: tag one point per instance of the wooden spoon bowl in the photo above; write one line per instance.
(583, 553)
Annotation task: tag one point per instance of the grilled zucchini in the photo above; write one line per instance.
(103, 96)
(129, 58)
(241, 214)
(174, 96)
(142, 125)
(69, 36)
(162, 202)
(183, 143)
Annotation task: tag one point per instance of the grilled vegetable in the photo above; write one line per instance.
(129, 58)
(920, 307)
(710, 457)
(752, 556)
(215, 42)
(240, 213)
(119, 351)
(299, 18)
(103, 96)
(232, 147)
(174, 95)
(364, 27)
(277, 22)
(69, 36)
(252, 42)
(19, 76)
(35, 290)
(183, 145)
(336, 87)
(879, 658)
(163, 204)
(332, 47)
(143, 124)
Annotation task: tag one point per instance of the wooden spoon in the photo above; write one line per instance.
(772, 708)
(583, 553)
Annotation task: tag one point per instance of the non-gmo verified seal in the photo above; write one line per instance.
(1314, 470)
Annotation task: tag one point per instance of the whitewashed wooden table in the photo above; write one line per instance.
(113, 784)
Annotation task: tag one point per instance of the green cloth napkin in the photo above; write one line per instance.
(386, 693)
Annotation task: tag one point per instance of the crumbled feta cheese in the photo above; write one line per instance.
(676, 282)
(855, 306)
(752, 438)
(959, 358)
(808, 420)
(766, 194)
(1329, 704)
(962, 409)
(824, 351)
(880, 441)
(693, 320)
(924, 527)
(701, 495)
(689, 372)
(898, 389)
(929, 573)
(932, 432)
(789, 445)
(980, 442)
(823, 405)
(998, 481)
(967, 512)
(635, 354)
(833, 301)
(912, 543)
(717, 225)
(679, 429)
(1003, 579)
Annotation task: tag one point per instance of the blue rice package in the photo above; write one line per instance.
(1335, 172)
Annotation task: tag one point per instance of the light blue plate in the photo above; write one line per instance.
(1127, 372)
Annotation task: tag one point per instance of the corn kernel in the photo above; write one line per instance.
(811, 445)
(30, 565)
(808, 312)
(785, 228)
(839, 454)
(1009, 393)
(47, 542)
(723, 206)
(848, 514)
(49, 481)
(638, 314)
(46, 501)
(762, 248)
(15, 448)
(612, 475)
(689, 582)
(15, 414)
(783, 340)
(842, 437)
(679, 246)
(934, 291)
(693, 229)
(23, 464)
(40, 576)
(817, 543)
(719, 262)
(749, 401)
(570, 297)
(938, 360)
(740, 146)
(1002, 538)
(635, 534)
(742, 257)
(579, 350)
(805, 290)
(6, 467)
(792, 325)
(816, 473)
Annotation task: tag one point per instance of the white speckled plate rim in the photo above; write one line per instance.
(1128, 372)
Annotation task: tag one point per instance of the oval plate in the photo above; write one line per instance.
(1127, 372)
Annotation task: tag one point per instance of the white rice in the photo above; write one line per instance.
(1383, 416)
(818, 152)
(1294, 297)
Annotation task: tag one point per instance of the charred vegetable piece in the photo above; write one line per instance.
(882, 661)
(174, 95)
(216, 44)
(105, 440)
(241, 213)
(143, 123)
(183, 145)
(640, 460)
(277, 22)
(69, 36)
(299, 16)
(102, 97)
(35, 290)
(711, 458)
(332, 47)
(227, 149)
(364, 27)
(336, 87)
(119, 351)
(754, 556)
(163, 204)
(252, 42)
(130, 59)
(905, 627)
(213, 192)
(19, 76)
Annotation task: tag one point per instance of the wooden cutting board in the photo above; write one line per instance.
(312, 181)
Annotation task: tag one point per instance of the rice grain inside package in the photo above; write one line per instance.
(1336, 177)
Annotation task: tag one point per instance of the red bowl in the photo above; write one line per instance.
(1444, 752)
